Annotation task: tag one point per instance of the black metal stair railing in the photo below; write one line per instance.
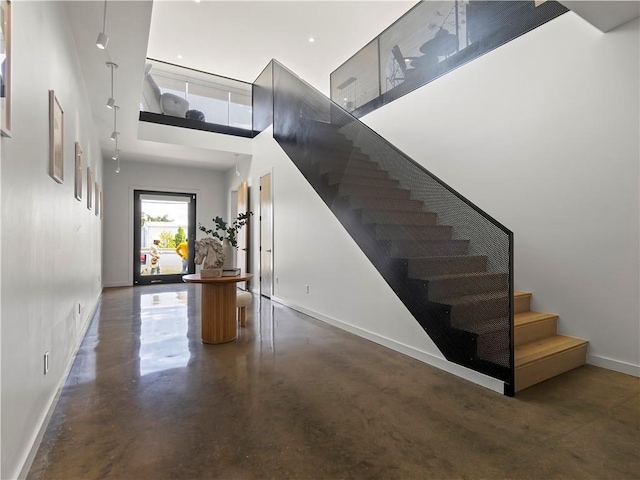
(450, 263)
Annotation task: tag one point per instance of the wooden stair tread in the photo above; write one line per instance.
(541, 349)
(518, 293)
(530, 317)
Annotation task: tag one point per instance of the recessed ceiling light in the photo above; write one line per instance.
(197, 1)
(180, 56)
(311, 39)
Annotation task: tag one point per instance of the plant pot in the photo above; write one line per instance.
(229, 256)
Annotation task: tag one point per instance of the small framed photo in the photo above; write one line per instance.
(97, 209)
(79, 172)
(56, 138)
(89, 188)
(5, 68)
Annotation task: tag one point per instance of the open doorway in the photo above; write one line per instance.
(164, 235)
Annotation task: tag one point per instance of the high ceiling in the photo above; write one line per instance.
(230, 38)
(233, 38)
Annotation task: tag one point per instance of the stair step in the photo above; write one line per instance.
(341, 163)
(533, 326)
(339, 178)
(337, 148)
(355, 171)
(522, 301)
(391, 204)
(443, 286)
(472, 311)
(410, 232)
(376, 192)
(421, 268)
(428, 248)
(543, 359)
(398, 218)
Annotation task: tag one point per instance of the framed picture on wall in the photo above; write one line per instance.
(101, 205)
(97, 209)
(56, 138)
(89, 188)
(79, 172)
(5, 68)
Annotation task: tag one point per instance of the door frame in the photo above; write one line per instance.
(138, 278)
(270, 173)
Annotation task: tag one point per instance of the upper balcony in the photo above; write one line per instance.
(184, 97)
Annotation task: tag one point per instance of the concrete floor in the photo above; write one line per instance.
(296, 398)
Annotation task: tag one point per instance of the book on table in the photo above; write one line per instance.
(233, 272)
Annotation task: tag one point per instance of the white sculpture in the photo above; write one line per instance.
(210, 251)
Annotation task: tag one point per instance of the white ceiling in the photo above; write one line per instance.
(233, 38)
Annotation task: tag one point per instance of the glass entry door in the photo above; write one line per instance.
(164, 235)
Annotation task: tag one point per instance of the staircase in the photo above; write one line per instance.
(540, 352)
(358, 190)
(462, 305)
(449, 262)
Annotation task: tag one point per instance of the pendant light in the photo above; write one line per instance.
(115, 133)
(103, 39)
(111, 102)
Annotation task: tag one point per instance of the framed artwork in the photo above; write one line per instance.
(97, 209)
(5, 68)
(89, 188)
(79, 172)
(56, 138)
(101, 205)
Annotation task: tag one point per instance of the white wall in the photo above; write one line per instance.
(542, 133)
(211, 200)
(310, 247)
(51, 243)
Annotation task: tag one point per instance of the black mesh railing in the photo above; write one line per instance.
(449, 262)
(430, 40)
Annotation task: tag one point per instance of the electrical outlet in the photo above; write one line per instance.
(276, 279)
(46, 362)
(306, 288)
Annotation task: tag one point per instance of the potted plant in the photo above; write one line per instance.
(227, 234)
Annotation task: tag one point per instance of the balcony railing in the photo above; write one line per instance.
(185, 97)
(428, 41)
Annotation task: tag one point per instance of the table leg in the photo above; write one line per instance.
(219, 323)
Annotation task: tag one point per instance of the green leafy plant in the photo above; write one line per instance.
(224, 231)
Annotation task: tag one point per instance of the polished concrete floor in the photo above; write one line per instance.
(294, 398)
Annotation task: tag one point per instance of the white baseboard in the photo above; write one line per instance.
(44, 422)
(615, 365)
(116, 284)
(428, 358)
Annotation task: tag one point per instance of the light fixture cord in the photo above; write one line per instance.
(104, 17)
(111, 78)
(115, 118)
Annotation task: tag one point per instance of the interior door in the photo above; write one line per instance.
(266, 237)
(163, 223)
(242, 259)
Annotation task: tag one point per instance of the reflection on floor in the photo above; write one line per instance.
(296, 398)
